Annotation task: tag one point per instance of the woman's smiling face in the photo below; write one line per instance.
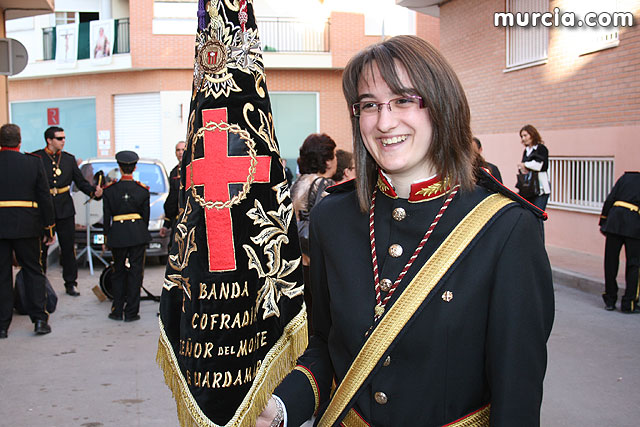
(398, 140)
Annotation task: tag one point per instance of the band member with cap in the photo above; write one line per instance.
(432, 295)
(25, 211)
(620, 223)
(171, 210)
(126, 220)
(62, 170)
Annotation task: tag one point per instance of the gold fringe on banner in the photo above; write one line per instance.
(278, 362)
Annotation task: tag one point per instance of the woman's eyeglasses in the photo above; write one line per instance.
(404, 103)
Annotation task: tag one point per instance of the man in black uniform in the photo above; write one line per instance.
(620, 223)
(126, 220)
(171, 211)
(25, 210)
(61, 169)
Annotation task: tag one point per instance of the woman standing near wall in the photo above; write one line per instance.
(535, 157)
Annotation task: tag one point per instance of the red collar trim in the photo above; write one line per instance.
(10, 149)
(385, 186)
(126, 178)
(421, 191)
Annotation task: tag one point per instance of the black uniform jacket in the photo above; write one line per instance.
(171, 204)
(487, 344)
(62, 201)
(126, 197)
(623, 219)
(22, 179)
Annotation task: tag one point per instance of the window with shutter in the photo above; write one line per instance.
(526, 45)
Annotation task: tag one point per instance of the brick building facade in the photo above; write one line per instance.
(585, 104)
(162, 63)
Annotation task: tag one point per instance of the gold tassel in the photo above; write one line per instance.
(278, 362)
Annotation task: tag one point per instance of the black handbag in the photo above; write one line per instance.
(20, 295)
(528, 184)
(303, 221)
(303, 232)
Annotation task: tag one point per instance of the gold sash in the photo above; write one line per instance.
(409, 301)
(479, 418)
(18, 204)
(630, 206)
(127, 217)
(58, 190)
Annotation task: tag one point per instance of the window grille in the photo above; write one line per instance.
(122, 36)
(292, 35)
(526, 45)
(49, 43)
(580, 183)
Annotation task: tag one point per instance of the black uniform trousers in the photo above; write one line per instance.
(27, 252)
(612, 248)
(65, 229)
(126, 282)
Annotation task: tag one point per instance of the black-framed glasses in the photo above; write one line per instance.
(60, 138)
(403, 103)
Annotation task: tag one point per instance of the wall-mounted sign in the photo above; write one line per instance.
(53, 116)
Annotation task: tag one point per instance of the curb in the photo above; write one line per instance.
(578, 281)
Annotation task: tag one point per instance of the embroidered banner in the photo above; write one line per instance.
(232, 315)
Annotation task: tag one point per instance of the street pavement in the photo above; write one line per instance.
(92, 371)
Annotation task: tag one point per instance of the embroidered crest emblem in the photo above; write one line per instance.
(213, 56)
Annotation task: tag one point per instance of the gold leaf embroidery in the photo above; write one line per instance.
(186, 242)
(274, 233)
(428, 191)
(265, 131)
(382, 185)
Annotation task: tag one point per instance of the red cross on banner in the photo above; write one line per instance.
(215, 171)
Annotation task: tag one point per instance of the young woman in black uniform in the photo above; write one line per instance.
(432, 291)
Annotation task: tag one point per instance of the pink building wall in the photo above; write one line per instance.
(585, 105)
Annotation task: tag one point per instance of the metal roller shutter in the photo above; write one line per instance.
(138, 123)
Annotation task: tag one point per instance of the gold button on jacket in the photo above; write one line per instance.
(399, 214)
(380, 397)
(395, 250)
(385, 285)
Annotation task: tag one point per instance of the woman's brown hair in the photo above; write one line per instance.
(316, 150)
(535, 135)
(450, 151)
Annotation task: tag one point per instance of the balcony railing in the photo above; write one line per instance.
(580, 183)
(276, 34)
(121, 42)
(292, 35)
